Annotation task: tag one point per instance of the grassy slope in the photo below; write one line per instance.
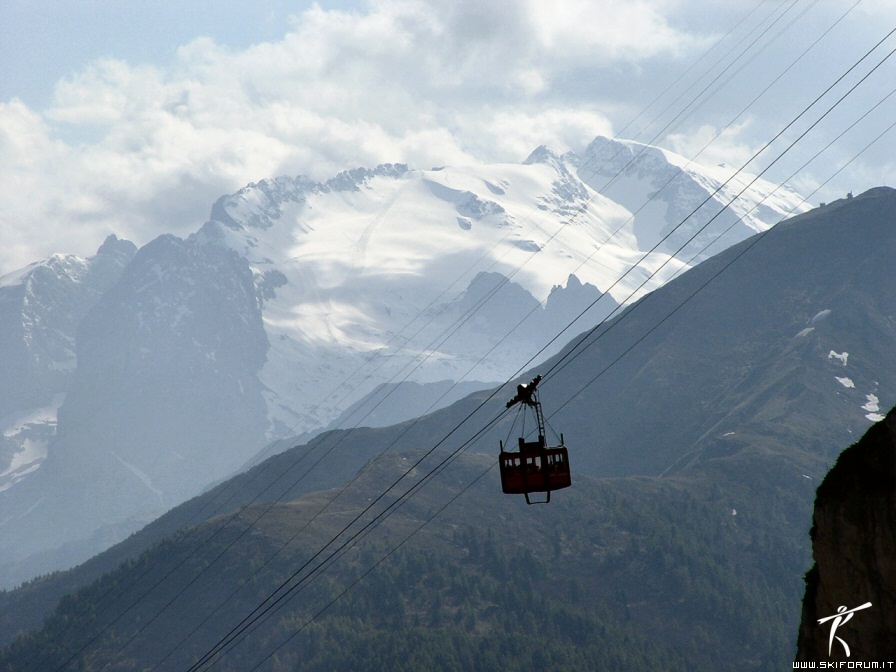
(635, 573)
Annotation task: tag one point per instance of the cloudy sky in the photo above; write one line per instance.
(132, 117)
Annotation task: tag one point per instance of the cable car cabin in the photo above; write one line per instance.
(535, 468)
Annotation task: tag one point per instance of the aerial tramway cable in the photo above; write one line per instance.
(261, 612)
(494, 290)
(750, 245)
(373, 567)
(695, 102)
(743, 167)
(457, 495)
(794, 142)
(622, 131)
(658, 97)
(435, 514)
(561, 332)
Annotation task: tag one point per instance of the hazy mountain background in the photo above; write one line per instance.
(699, 425)
(193, 359)
(165, 369)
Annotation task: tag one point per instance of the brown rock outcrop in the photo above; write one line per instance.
(854, 545)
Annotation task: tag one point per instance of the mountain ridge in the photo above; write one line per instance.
(749, 446)
(41, 307)
(323, 292)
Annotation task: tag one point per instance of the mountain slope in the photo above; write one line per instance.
(142, 421)
(297, 299)
(337, 267)
(610, 576)
(41, 307)
(790, 341)
(715, 428)
(622, 170)
(786, 341)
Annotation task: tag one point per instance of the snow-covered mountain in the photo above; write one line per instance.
(41, 307)
(685, 209)
(378, 273)
(297, 299)
(373, 268)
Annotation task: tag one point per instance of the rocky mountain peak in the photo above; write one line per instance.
(293, 302)
(115, 245)
(542, 154)
(351, 180)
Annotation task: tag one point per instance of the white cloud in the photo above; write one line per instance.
(142, 149)
(711, 146)
(513, 134)
(616, 29)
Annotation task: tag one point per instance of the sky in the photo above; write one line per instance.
(132, 118)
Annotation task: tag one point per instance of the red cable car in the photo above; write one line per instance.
(535, 467)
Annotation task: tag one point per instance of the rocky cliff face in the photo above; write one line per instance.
(41, 307)
(854, 545)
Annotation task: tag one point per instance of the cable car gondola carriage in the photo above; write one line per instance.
(535, 467)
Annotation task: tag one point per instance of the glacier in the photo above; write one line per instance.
(162, 370)
(363, 269)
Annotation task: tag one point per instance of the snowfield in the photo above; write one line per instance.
(361, 276)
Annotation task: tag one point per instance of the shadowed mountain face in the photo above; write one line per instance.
(854, 544)
(293, 303)
(784, 341)
(41, 307)
(788, 344)
(715, 404)
(142, 426)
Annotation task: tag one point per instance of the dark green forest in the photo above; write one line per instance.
(624, 574)
(681, 545)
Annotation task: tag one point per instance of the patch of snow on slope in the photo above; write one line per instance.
(12, 425)
(31, 432)
(846, 382)
(843, 356)
(873, 407)
(17, 277)
(820, 316)
(24, 462)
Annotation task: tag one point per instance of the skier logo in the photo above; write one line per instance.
(842, 616)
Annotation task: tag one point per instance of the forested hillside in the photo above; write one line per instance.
(633, 574)
(699, 425)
